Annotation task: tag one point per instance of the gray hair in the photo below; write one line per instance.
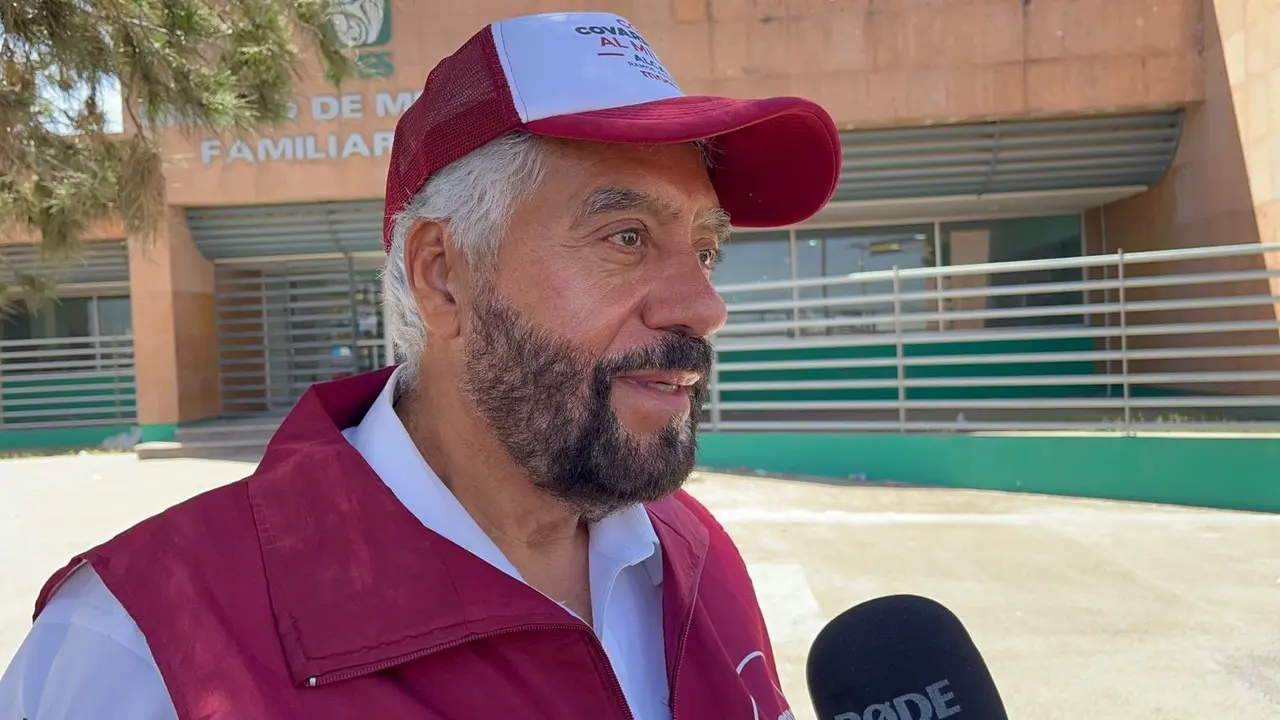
(475, 196)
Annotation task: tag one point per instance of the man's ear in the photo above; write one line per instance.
(432, 270)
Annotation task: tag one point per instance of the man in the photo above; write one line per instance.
(495, 528)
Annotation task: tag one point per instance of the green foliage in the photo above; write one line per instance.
(199, 65)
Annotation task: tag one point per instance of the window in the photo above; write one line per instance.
(114, 316)
(69, 317)
(64, 317)
(756, 257)
(995, 241)
(866, 306)
(824, 253)
(57, 320)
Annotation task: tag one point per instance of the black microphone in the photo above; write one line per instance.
(900, 657)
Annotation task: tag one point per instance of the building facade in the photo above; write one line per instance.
(975, 131)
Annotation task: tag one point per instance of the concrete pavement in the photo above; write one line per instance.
(1082, 608)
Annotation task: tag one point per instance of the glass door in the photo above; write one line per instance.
(371, 348)
(866, 304)
(284, 327)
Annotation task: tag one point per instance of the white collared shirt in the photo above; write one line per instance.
(85, 658)
(625, 557)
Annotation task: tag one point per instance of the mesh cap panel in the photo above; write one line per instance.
(465, 104)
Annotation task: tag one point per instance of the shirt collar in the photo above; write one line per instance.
(626, 537)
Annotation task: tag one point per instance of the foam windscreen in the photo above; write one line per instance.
(901, 657)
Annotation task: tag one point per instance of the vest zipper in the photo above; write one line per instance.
(618, 694)
(614, 683)
(680, 646)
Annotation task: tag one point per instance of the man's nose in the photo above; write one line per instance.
(684, 299)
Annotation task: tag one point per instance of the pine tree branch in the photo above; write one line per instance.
(211, 65)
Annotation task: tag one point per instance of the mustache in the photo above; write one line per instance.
(673, 351)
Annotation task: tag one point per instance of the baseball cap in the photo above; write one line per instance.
(592, 76)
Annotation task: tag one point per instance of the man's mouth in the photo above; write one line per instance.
(671, 382)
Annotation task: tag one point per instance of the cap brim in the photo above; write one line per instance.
(779, 158)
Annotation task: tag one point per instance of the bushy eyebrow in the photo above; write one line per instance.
(608, 200)
(717, 221)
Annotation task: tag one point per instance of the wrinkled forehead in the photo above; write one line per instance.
(667, 181)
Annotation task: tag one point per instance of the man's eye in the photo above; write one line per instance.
(627, 238)
(709, 257)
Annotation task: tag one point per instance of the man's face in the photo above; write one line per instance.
(585, 350)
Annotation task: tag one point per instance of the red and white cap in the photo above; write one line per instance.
(592, 76)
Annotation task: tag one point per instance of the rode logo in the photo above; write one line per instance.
(936, 704)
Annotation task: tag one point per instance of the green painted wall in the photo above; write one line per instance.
(77, 438)
(941, 349)
(69, 395)
(1234, 473)
(59, 438)
(159, 432)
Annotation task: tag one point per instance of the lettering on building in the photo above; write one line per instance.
(394, 104)
(339, 145)
(309, 146)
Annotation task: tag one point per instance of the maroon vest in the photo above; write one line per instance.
(308, 591)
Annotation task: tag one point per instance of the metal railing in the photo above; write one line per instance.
(1164, 340)
(65, 382)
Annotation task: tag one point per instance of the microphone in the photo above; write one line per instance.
(901, 657)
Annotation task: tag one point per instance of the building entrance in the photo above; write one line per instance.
(283, 326)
